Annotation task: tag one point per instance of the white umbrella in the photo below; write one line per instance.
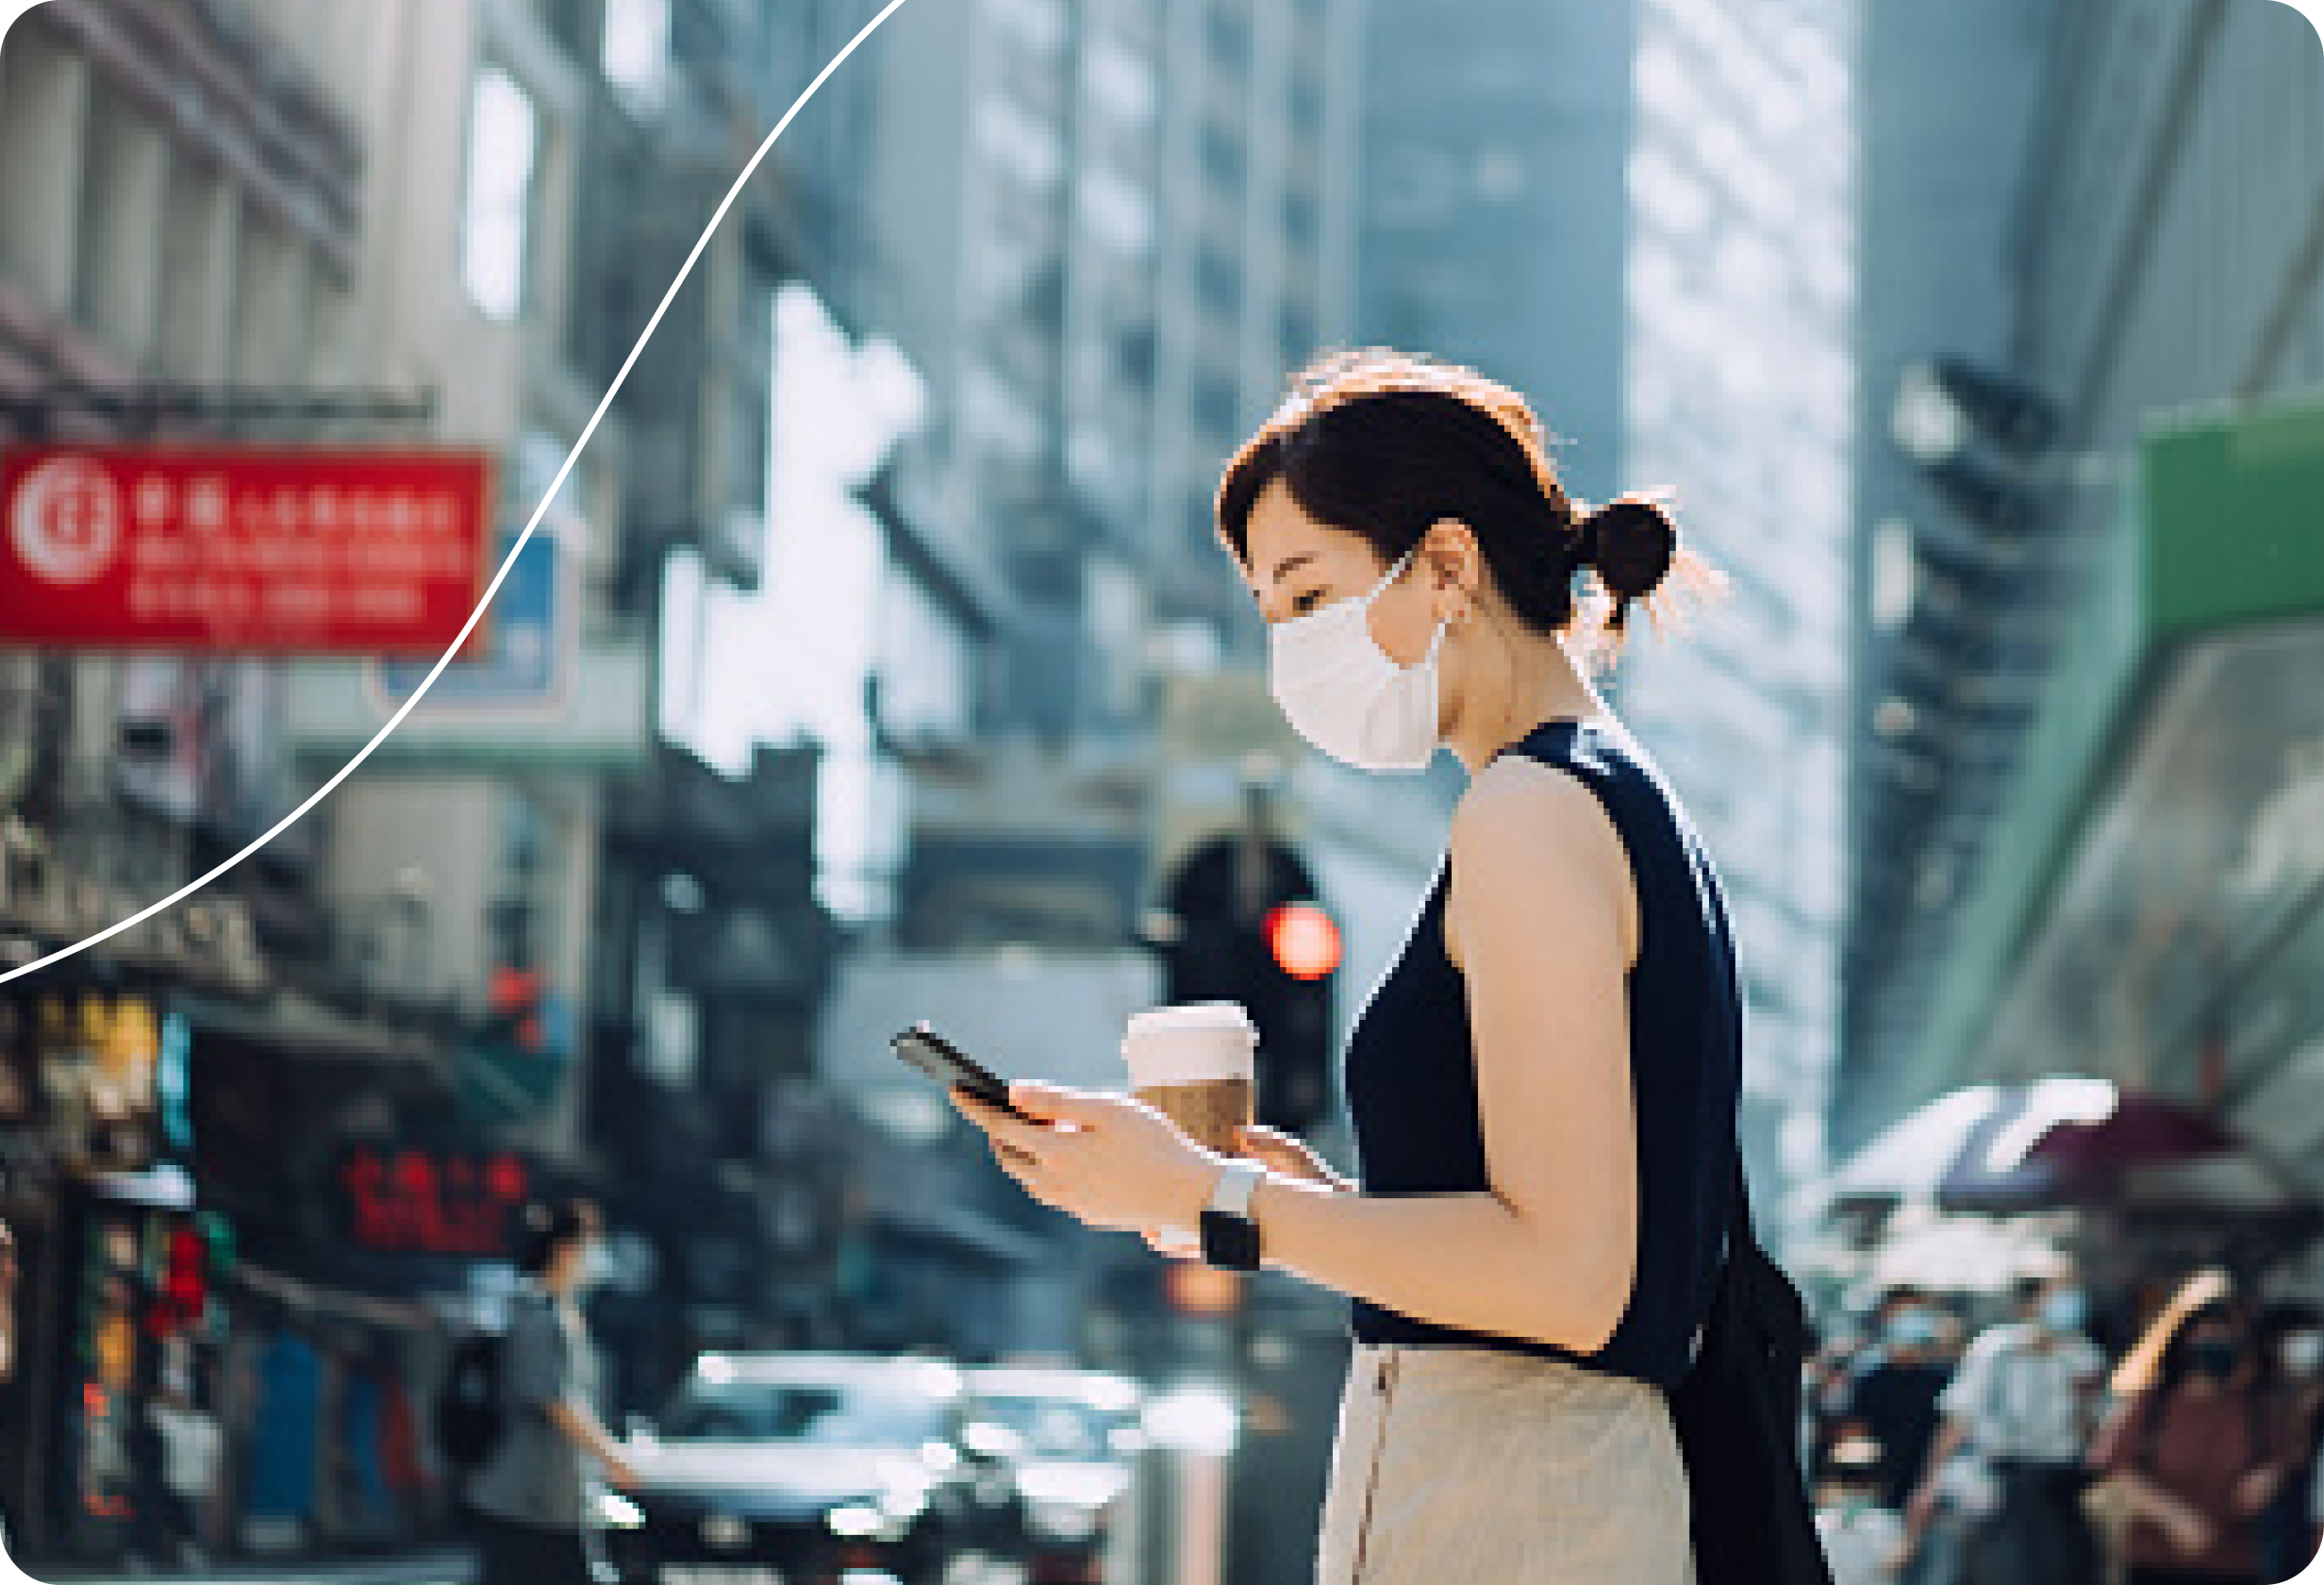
(1907, 1159)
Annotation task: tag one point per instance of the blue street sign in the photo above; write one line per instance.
(528, 656)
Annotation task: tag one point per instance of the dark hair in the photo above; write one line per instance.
(1382, 443)
(545, 1227)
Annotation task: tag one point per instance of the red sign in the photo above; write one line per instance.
(241, 548)
(431, 1202)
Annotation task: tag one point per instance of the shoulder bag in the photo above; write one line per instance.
(1737, 1415)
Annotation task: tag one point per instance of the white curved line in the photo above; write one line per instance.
(554, 485)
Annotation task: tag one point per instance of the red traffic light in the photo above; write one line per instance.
(513, 999)
(1304, 940)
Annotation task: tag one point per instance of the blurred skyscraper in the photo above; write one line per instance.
(2127, 886)
(1642, 216)
(1947, 96)
(1738, 398)
(1101, 232)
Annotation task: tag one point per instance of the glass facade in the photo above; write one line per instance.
(1738, 409)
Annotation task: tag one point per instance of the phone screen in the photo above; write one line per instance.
(945, 1062)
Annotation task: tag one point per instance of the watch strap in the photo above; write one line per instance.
(1231, 1195)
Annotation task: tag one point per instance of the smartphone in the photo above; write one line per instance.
(952, 1067)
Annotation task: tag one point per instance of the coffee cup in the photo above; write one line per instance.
(1195, 1064)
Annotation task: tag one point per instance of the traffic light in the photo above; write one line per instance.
(1245, 925)
(513, 1010)
(182, 1297)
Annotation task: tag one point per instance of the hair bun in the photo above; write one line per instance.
(1632, 543)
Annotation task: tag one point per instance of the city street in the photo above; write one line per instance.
(447, 1568)
(1451, 628)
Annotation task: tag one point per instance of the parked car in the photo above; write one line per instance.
(805, 1469)
(1071, 1438)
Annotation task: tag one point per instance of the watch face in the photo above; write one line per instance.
(1231, 1242)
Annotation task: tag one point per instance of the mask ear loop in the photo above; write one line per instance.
(1393, 574)
(1436, 641)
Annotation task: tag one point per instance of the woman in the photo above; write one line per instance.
(1544, 1084)
(525, 1499)
(2194, 1449)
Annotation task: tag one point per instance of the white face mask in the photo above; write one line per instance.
(1348, 696)
(596, 1265)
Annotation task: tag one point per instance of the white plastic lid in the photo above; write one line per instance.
(1196, 1042)
(1202, 1017)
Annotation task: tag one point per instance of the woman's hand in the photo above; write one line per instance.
(2189, 1530)
(2257, 1489)
(1108, 1161)
(1293, 1158)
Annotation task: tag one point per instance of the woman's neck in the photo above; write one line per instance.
(1535, 680)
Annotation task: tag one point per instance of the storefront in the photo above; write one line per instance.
(366, 1231)
(242, 1267)
(113, 1312)
(2152, 907)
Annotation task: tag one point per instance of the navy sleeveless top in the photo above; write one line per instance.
(1411, 1070)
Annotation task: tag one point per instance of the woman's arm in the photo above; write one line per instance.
(1539, 891)
(2115, 1456)
(579, 1425)
(539, 1380)
(1541, 904)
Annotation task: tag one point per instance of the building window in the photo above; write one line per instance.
(504, 142)
(1228, 30)
(1299, 333)
(637, 53)
(1218, 279)
(1224, 159)
(1307, 103)
(1216, 406)
(1137, 351)
(1298, 218)
(525, 885)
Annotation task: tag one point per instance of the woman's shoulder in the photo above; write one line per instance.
(1519, 805)
(1526, 836)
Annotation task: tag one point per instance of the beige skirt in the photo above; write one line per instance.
(1459, 1466)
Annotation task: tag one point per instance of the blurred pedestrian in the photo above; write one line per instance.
(2196, 1449)
(1895, 1400)
(1824, 1378)
(190, 1444)
(2024, 1399)
(525, 1499)
(2288, 1344)
(1544, 1085)
(1863, 1535)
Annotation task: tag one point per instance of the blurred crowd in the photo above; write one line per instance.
(1951, 1446)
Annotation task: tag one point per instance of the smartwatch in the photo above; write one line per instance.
(1230, 1237)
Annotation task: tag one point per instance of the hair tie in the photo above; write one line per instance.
(1589, 542)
